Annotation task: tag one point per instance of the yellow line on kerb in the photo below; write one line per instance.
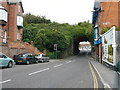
(94, 77)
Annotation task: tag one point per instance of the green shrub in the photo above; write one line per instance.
(54, 55)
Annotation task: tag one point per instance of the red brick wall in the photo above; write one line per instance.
(11, 51)
(109, 16)
(11, 25)
(0, 33)
(119, 14)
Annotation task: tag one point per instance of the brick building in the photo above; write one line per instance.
(106, 14)
(11, 24)
(110, 14)
(11, 20)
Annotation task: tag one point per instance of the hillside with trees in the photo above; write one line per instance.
(45, 34)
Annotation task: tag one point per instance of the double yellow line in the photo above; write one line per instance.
(94, 77)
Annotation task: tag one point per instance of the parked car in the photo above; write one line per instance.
(42, 58)
(5, 61)
(25, 58)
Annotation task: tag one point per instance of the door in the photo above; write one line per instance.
(3, 60)
(31, 58)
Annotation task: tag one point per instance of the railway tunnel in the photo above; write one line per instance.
(76, 43)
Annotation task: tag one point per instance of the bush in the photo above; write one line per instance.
(54, 55)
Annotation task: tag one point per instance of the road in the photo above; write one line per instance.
(72, 72)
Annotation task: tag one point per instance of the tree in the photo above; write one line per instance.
(45, 33)
(29, 18)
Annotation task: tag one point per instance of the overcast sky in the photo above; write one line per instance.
(62, 11)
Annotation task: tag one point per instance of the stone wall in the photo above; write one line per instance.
(15, 48)
(11, 51)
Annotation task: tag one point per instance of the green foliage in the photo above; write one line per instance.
(29, 18)
(54, 55)
(45, 33)
(110, 50)
(118, 29)
(105, 30)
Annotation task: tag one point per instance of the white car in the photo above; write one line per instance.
(42, 58)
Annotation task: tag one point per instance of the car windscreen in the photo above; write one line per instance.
(1, 56)
(21, 55)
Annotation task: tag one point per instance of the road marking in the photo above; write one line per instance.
(94, 77)
(104, 83)
(58, 65)
(68, 62)
(39, 71)
(5, 81)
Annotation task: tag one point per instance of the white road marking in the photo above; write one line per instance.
(39, 71)
(5, 81)
(68, 62)
(58, 65)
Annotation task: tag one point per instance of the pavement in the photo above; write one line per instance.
(106, 74)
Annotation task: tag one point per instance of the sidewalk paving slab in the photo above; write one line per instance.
(106, 75)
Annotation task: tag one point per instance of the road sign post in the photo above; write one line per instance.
(55, 48)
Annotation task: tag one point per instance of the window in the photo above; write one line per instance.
(18, 8)
(5, 37)
(18, 36)
(2, 56)
(1, 35)
(30, 55)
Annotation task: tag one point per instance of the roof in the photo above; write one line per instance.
(84, 42)
(97, 4)
(15, 2)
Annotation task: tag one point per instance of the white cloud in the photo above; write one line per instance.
(62, 11)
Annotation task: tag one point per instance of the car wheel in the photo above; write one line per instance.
(42, 61)
(48, 61)
(10, 65)
(28, 62)
(36, 62)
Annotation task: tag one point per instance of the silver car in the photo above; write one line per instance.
(42, 58)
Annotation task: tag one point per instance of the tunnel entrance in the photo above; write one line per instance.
(76, 43)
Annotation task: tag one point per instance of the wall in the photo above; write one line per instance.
(109, 15)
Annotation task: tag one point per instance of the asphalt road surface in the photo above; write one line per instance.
(72, 72)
